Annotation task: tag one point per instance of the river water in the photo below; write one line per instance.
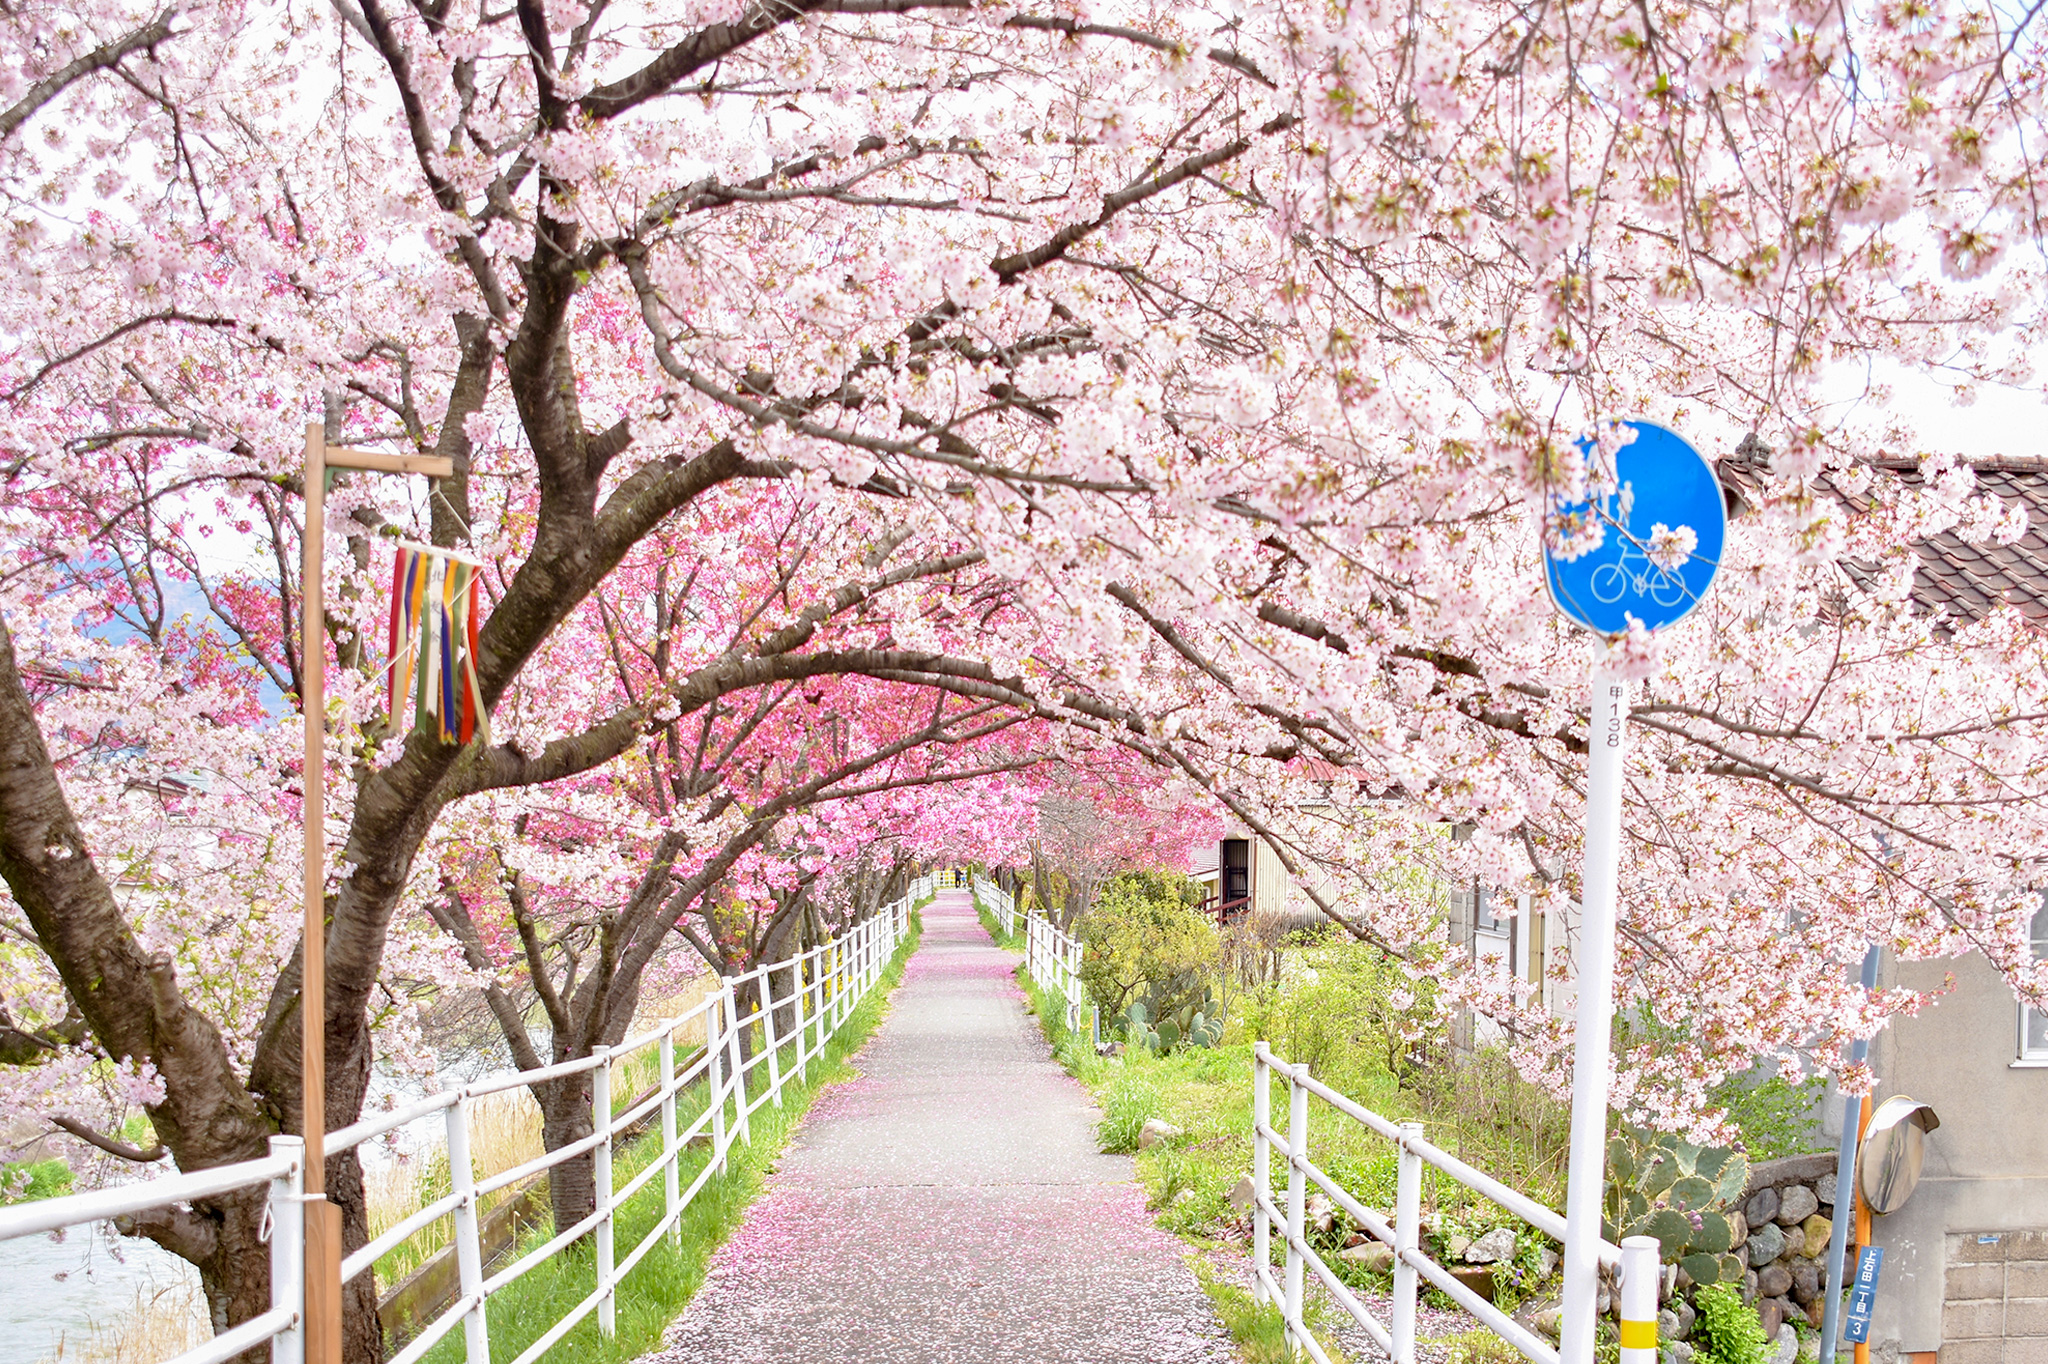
(57, 1292)
(57, 1295)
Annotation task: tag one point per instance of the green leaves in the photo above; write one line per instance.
(1669, 1226)
(1716, 1235)
(1673, 1190)
(1621, 1161)
(1691, 1193)
(1701, 1267)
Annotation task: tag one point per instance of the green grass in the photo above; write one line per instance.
(1207, 1093)
(1258, 1328)
(670, 1274)
(25, 1181)
(1013, 943)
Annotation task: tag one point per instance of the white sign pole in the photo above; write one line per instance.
(1607, 740)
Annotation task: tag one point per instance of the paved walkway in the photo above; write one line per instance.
(950, 1204)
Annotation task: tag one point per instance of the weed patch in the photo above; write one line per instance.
(1258, 1328)
(665, 1280)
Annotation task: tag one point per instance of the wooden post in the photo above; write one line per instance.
(323, 1219)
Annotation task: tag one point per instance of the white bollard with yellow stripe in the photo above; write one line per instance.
(1640, 1273)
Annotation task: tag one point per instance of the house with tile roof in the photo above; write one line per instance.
(1965, 1271)
(1965, 1274)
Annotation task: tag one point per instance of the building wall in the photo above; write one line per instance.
(1986, 1170)
(1269, 880)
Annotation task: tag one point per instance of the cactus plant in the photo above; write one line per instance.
(1189, 1027)
(1679, 1193)
(1138, 1031)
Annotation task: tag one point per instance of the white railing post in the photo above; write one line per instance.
(738, 1058)
(671, 1153)
(287, 1211)
(1073, 984)
(797, 997)
(814, 1000)
(768, 1034)
(1297, 1199)
(1407, 1242)
(1262, 1170)
(469, 1251)
(714, 1077)
(1639, 1274)
(601, 1183)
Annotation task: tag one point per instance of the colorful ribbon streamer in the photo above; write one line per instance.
(432, 640)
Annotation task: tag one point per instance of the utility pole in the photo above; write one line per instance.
(1845, 1178)
(323, 1219)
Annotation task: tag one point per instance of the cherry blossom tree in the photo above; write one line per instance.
(1195, 379)
(567, 908)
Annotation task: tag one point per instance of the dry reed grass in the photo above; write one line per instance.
(160, 1323)
(692, 993)
(504, 1131)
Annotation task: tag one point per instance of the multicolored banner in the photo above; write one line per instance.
(435, 613)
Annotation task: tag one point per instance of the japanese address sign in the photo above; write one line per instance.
(1863, 1294)
(1659, 485)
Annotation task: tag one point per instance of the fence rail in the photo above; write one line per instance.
(1635, 1260)
(998, 902)
(816, 992)
(1052, 955)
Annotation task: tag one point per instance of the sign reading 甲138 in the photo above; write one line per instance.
(1645, 567)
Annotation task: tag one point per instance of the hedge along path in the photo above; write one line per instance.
(951, 1204)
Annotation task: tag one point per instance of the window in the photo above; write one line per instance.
(2034, 1022)
(1484, 919)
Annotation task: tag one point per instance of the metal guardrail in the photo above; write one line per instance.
(824, 986)
(1054, 959)
(1000, 904)
(1635, 1259)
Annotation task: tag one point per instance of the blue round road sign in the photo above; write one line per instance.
(1659, 480)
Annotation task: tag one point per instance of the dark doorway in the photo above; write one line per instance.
(1237, 871)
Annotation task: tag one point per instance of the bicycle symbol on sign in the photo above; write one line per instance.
(1634, 570)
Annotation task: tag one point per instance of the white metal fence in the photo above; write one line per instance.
(821, 989)
(1635, 1260)
(998, 902)
(1054, 958)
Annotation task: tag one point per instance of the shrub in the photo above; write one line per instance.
(1142, 941)
(1726, 1330)
(1774, 1117)
(1351, 1013)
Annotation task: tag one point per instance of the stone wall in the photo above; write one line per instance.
(1782, 1225)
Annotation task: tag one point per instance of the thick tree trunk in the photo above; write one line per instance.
(362, 1332)
(135, 1009)
(565, 1120)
